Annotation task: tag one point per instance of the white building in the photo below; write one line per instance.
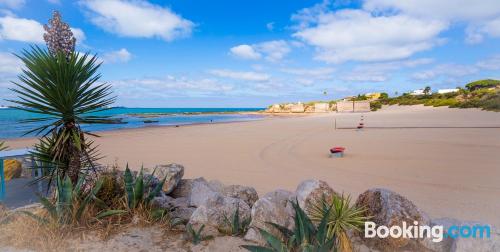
(418, 92)
(448, 90)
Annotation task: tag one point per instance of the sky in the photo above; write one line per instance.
(226, 53)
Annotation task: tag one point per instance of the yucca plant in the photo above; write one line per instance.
(70, 202)
(305, 237)
(3, 146)
(235, 224)
(63, 92)
(63, 89)
(341, 218)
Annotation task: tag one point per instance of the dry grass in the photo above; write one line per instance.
(24, 232)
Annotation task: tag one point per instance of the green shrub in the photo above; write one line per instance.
(375, 105)
(112, 189)
(491, 103)
(488, 83)
(342, 217)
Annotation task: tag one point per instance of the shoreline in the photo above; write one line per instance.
(265, 116)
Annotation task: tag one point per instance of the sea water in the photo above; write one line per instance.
(12, 127)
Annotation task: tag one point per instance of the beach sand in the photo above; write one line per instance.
(447, 172)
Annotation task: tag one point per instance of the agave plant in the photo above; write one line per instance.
(304, 237)
(341, 218)
(63, 89)
(70, 202)
(3, 146)
(196, 236)
(236, 225)
(134, 189)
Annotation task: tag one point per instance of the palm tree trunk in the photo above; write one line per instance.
(74, 165)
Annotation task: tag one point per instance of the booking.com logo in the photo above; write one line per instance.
(435, 233)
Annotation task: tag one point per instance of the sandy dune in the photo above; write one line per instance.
(448, 172)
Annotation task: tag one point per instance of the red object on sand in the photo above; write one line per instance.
(337, 149)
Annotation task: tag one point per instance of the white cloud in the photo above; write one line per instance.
(137, 19)
(78, 34)
(245, 52)
(482, 17)
(270, 26)
(28, 30)
(169, 86)
(272, 51)
(445, 70)
(119, 56)
(21, 29)
(454, 10)
(321, 72)
(247, 76)
(380, 72)
(475, 33)
(361, 36)
(14, 4)
(492, 63)
(9, 64)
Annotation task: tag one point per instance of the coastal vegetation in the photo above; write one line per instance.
(484, 94)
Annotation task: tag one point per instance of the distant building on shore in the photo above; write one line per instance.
(448, 90)
(321, 107)
(373, 96)
(353, 106)
(417, 92)
(297, 108)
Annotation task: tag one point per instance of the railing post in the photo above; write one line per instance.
(2, 181)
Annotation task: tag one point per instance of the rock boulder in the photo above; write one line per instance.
(274, 207)
(391, 209)
(312, 190)
(215, 210)
(173, 173)
(246, 193)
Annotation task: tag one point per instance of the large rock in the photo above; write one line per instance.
(274, 207)
(246, 193)
(214, 211)
(311, 191)
(201, 192)
(183, 188)
(173, 173)
(179, 207)
(391, 209)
